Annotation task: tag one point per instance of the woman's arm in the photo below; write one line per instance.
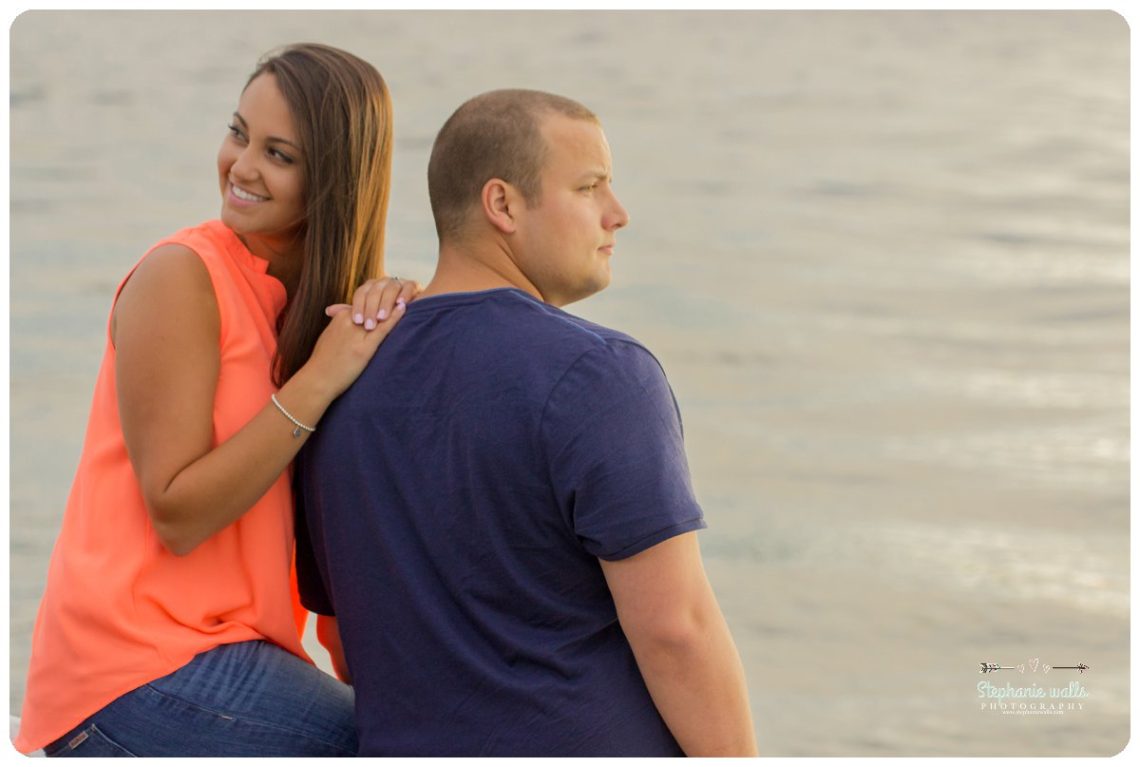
(165, 329)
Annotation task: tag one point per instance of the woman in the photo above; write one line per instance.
(170, 624)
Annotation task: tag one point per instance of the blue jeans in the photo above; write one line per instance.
(243, 699)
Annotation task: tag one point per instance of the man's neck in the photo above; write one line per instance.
(464, 268)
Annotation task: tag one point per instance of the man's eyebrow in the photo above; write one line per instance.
(275, 139)
(597, 173)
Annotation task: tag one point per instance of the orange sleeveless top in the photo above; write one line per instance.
(119, 610)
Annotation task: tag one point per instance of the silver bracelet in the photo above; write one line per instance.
(300, 426)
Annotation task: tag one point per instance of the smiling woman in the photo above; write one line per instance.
(260, 172)
(170, 624)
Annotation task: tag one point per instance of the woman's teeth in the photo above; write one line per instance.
(241, 194)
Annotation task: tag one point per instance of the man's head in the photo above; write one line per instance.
(534, 170)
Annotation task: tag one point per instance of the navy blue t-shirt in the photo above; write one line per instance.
(453, 506)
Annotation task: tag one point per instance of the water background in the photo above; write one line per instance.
(882, 256)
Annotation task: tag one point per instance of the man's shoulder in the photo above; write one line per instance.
(514, 315)
(595, 345)
(507, 334)
(551, 320)
(607, 364)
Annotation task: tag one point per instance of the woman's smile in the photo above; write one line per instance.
(244, 195)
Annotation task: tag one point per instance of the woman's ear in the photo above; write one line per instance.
(499, 200)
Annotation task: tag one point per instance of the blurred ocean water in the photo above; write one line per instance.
(883, 257)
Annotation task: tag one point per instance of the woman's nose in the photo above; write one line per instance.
(244, 166)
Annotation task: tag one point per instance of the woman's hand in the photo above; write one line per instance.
(344, 348)
(375, 300)
(342, 351)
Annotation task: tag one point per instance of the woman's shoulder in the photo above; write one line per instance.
(171, 261)
(205, 239)
(171, 280)
(187, 257)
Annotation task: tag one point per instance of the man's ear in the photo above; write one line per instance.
(500, 201)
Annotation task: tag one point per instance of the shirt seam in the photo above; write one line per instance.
(663, 534)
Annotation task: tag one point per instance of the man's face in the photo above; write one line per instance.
(564, 243)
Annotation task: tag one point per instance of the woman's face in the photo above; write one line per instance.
(260, 172)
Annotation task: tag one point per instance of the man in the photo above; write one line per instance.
(499, 511)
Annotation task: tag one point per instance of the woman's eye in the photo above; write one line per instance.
(235, 131)
(280, 156)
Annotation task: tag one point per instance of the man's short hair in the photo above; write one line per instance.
(494, 135)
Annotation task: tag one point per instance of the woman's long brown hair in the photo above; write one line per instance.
(342, 111)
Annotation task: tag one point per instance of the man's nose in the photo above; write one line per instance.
(618, 216)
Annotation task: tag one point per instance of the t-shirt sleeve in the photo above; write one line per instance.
(310, 568)
(612, 431)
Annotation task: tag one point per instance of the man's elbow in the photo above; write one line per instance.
(673, 637)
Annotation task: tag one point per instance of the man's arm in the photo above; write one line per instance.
(328, 634)
(668, 612)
